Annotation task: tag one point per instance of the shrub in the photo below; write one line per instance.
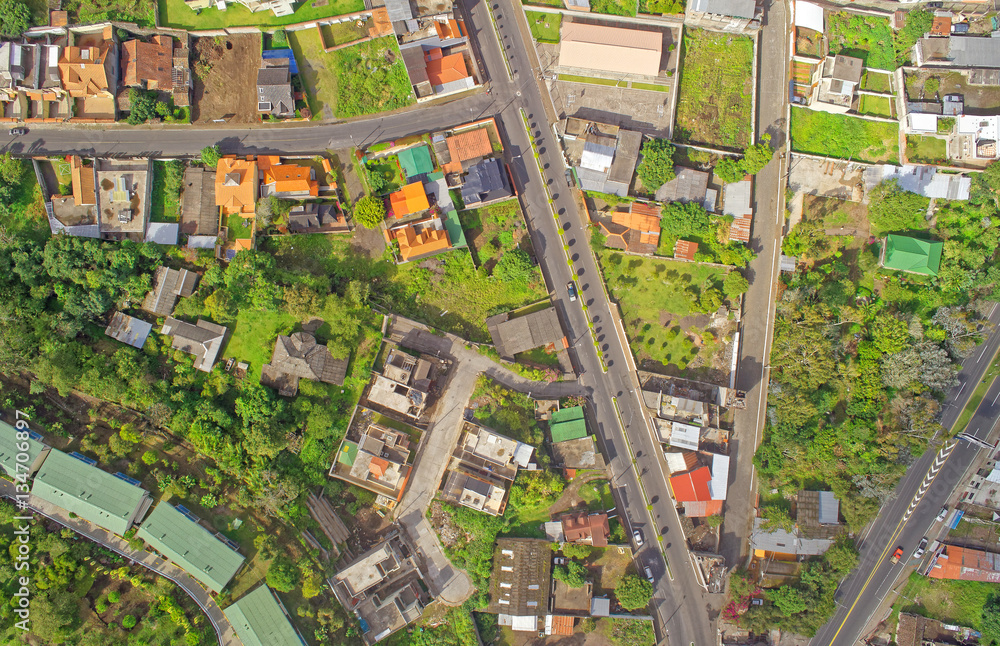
(657, 165)
(129, 622)
(369, 212)
(283, 575)
(114, 597)
(633, 592)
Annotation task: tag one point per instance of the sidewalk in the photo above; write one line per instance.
(223, 629)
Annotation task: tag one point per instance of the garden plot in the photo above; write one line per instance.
(225, 78)
(837, 135)
(932, 85)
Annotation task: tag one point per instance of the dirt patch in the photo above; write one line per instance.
(225, 78)
(449, 533)
(696, 320)
(570, 498)
(368, 242)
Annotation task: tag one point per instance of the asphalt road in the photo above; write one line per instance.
(860, 594)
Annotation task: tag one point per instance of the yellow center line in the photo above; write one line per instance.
(888, 546)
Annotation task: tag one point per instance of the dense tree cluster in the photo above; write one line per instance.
(754, 159)
(657, 165)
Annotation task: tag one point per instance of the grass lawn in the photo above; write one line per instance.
(954, 602)
(651, 291)
(649, 86)
(253, 337)
(608, 566)
(837, 135)
(714, 103)
(391, 173)
(174, 13)
(597, 495)
(875, 82)
(343, 32)
(238, 230)
(538, 356)
(662, 7)
(573, 78)
(547, 3)
(317, 70)
(614, 7)
(544, 26)
(879, 106)
(25, 213)
(526, 522)
(494, 230)
(866, 37)
(929, 150)
(371, 78)
(141, 12)
(166, 194)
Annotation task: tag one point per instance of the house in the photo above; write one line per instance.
(410, 199)
(957, 52)
(14, 64)
(965, 564)
(736, 201)
(289, 181)
(415, 161)
(299, 357)
(169, 285)
(913, 255)
(447, 73)
(519, 586)
(609, 50)
(403, 385)
(203, 340)
(76, 485)
(316, 217)
(149, 64)
(11, 447)
(128, 329)
(685, 250)
(562, 624)
(603, 156)
(420, 239)
(486, 182)
(124, 188)
(688, 185)
(567, 424)
(376, 459)
(636, 230)
(84, 181)
(383, 587)
(260, 619)
(176, 534)
(469, 145)
(274, 89)
(703, 489)
(278, 7)
(199, 212)
(925, 180)
(579, 453)
(584, 527)
(522, 333)
(482, 468)
(839, 76)
(237, 186)
(818, 514)
(89, 74)
(736, 16)
(783, 545)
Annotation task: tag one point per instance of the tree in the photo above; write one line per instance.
(710, 300)
(990, 623)
(756, 157)
(515, 267)
(210, 156)
(369, 212)
(657, 165)
(376, 181)
(576, 551)
(12, 172)
(787, 600)
(776, 518)
(893, 209)
(937, 371)
(714, 520)
(572, 574)
(15, 18)
(633, 592)
(735, 285)
(729, 170)
(962, 329)
(679, 220)
(283, 575)
(842, 556)
(145, 105)
(901, 368)
(129, 622)
(889, 334)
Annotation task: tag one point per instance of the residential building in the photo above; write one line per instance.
(685, 250)
(736, 201)
(925, 180)
(838, 78)
(703, 489)
(274, 89)
(289, 181)
(203, 340)
(316, 217)
(914, 630)
(84, 181)
(579, 453)
(89, 74)
(567, 424)
(299, 357)
(408, 200)
(965, 564)
(519, 585)
(562, 624)
(585, 527)
(636, 230)
(818, 514)
(237, 186)
(482, 468)
(913, 255)
(688, 185)
(76, 485)
(377, 459)
(403, 386)
(609, 50)
(447, 73)
(520, 333)
(14, 64)
(278, 7)
(169, 285)
(415, 161)
(128, 329)
(11, 447)
(469, 145)
(420, 239)
(383, 587)
(149, 64)
(957, 52)
(602, 156)
(486, 182)
(178, 535)
(260, 619)
(199, 212)
(736, 16)
(783, 545)
(124, 192)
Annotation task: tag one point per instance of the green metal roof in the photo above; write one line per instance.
(192, 547)
(9, 450)
(454, 227)
(567, 424)
(912, 254)
(89, 492)
(348, 452)
(416, 161)
(259, 620)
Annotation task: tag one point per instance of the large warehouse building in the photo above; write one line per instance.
(610, 49)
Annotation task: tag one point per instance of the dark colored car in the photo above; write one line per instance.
(571, 290)
(15, 132)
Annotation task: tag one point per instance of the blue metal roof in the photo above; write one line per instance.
(282, 53)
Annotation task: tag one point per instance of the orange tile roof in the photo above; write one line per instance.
(380, 23)
(562, 625)
(151, 62)
(941, 26)
(413, 244)
(83, 70)
(58, 18)
(266, 161)
(450, 29)
(410, 199)
(702, 509)
(243, 243)
(82, 177)
(685, 249)
(469, 145)
(291, 178)
(236, 186)
(643, 219)
(446, 69)
(692, 486)
(378, 467)
(966, 564)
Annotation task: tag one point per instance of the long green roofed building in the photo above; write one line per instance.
(904, 253)
(90, 493)
(9, 451)
(567, 424)
(260, 619)
(192, 547)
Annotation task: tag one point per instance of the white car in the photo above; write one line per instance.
(941, 514)
(649, 576)
(921, 548)
(637, 536)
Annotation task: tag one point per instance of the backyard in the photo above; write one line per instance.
(930, 85)
(86, 12)
(866, 37)
(493, 231)
(661, 306)
(836, 135)
(168, 176)
(926, 150)
(661, 7)
(957, 602)
(714, 102)
(544, 26)
(878, 106)
(177, 15)
(876, 82)
(614, 7)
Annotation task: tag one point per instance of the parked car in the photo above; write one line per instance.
(637, 536)
(559, 560)
(756, 602)
(649, 576)
(898, 554)
(16, 132)
(921, 548)
(571, 290)
(942, 514)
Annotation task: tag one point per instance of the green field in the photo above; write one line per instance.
(544, 26)
(957, 602)
(878, 106)
(714, 101)
(866, 37)
(649, 86)
(175, 14)
(836, 135)
(875, 82)
(573, 78)
(926, 150)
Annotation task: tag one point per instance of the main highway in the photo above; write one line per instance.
(905, 519)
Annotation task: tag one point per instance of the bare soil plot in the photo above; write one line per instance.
(931, 85)
(225, 78)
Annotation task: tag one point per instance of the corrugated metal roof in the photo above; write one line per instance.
(829, 508)
(786, 543)
(684, 436)
(259, 620)
(973, 51)
(399, 10)
(718, 487)
(735, 8)
(9, 450)
(610, 49)
(190, 546)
